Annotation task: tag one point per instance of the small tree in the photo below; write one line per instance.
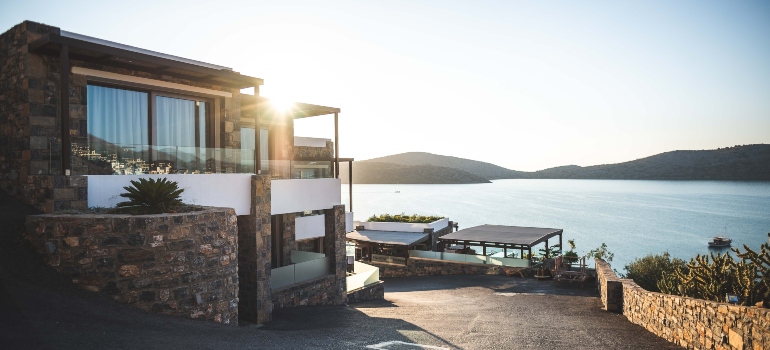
(601, 253)
(150, 197)
(571, 256)
(647, 271)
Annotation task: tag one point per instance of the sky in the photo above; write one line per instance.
(527, 85)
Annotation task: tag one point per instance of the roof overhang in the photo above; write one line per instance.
(93, 50)
(504, 235)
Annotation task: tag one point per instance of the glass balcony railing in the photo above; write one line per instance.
(115, 159)
(120, 159)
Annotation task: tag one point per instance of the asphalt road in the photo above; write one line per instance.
(39, 309)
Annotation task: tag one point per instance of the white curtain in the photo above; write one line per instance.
(175, 122)
(116, 116)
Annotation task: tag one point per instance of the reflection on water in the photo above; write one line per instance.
(633, 217)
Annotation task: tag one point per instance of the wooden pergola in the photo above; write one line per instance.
(506, 237)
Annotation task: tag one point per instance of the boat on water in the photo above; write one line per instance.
(719, 242)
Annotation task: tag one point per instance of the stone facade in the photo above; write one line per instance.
(326, 290)
(255, 254)
(431, 267)
(374, 291)
(315, 152)
(181, 264)
(319, 291)
(334, 246)
(691, 323)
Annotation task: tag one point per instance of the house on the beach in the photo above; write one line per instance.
(80, 117)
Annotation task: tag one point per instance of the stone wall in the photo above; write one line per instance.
(315, 152)
(691, 323)
(319, 291)
(431, 267)
(255, 254)
(327, 290)
(334, 246)
(30, 136)
(183, 264)
(610, 288)
(374, 291)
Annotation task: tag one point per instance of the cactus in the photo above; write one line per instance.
(761, 262)
(671, 283)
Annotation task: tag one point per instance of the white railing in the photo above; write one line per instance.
(364, 276)
(297, 273)
(478, 259)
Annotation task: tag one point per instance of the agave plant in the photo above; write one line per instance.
(150, 196)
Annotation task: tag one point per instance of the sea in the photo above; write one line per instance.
(633, 217)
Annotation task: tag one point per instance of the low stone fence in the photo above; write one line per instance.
(433, 267)
(183, 264)
(691, 323)
(374, 291)
(325, 290)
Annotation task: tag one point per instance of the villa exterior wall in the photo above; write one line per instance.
(181, 264)
(691, 323)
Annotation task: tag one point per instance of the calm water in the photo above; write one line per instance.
(633, 217)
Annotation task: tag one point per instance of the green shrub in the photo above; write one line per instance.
(647, 271)
(150, 197)
(417, 219)
(601, 253)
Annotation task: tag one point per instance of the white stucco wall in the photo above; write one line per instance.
(310, 141)
(216, 190)
(306, 227)
(298, 195)
(403, 226)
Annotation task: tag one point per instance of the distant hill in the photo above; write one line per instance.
(482, 169)
(388, 173)
(750, 162)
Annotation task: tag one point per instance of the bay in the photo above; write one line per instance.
(633, 217)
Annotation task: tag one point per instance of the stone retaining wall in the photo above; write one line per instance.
(319, 291)
(183, 264)
(691, 323)
(432, 267)
(374, 291)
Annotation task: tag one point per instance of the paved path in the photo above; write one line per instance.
(40, 309)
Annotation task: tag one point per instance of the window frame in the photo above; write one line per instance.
(211, 109)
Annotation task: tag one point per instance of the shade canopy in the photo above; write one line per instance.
(506, 235)
(387, 237)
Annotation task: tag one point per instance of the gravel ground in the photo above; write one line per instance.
(40, 309)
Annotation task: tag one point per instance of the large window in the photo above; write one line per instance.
(140, 132)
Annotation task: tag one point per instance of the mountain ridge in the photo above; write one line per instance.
(747, 162)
